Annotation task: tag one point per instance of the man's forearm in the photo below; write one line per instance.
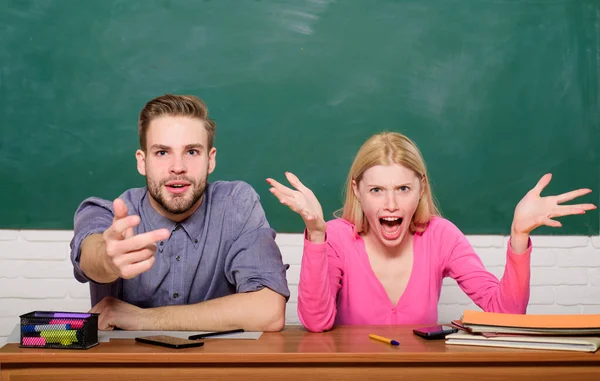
(92, 260)
(262, 310)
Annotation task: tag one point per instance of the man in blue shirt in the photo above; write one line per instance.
(180, 253)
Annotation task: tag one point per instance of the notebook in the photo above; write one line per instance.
(490, 322)
(564, 343)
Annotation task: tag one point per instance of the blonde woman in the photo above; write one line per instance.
(383, 261)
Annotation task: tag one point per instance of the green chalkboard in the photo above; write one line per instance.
(495, 93)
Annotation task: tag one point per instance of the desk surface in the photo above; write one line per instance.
(347, 348)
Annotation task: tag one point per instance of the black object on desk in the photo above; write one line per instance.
(210, 334)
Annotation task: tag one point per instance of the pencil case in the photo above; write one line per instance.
(62, 330)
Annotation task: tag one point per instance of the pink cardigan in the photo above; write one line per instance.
(337, 285)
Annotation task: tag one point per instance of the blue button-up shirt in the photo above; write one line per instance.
(226, 246)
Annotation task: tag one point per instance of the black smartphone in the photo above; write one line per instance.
(169, 341)
(435, 332)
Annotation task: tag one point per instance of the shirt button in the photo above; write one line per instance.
(178, 258)
(393, 310)
(176, 295)
(196, 241)
(161, 243)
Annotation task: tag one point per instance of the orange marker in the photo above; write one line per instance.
(384, 339)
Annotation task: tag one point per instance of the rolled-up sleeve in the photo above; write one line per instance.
(94, 215)
(254, 259)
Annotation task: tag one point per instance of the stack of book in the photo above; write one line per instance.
(558, 332)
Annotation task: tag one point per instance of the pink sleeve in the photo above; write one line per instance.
(320, 277)
(508, 295)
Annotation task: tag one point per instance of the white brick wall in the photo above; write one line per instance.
(36, 273)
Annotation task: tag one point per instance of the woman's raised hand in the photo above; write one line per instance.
(302, 201)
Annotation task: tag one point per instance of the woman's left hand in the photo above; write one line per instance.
(534, 210)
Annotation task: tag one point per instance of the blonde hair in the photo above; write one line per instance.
(388, 148)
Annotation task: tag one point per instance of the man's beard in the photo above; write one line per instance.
(179, 204)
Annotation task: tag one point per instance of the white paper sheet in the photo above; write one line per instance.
(106, 336)
(14, 336)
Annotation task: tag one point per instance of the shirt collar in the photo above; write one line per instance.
(192, 225)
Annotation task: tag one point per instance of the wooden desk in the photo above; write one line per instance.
(346, 353)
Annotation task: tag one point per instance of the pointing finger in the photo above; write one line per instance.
(119, 227)
(566, 210)
(280, 187)
(295, 181)
(572, 195)
(140, 241)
